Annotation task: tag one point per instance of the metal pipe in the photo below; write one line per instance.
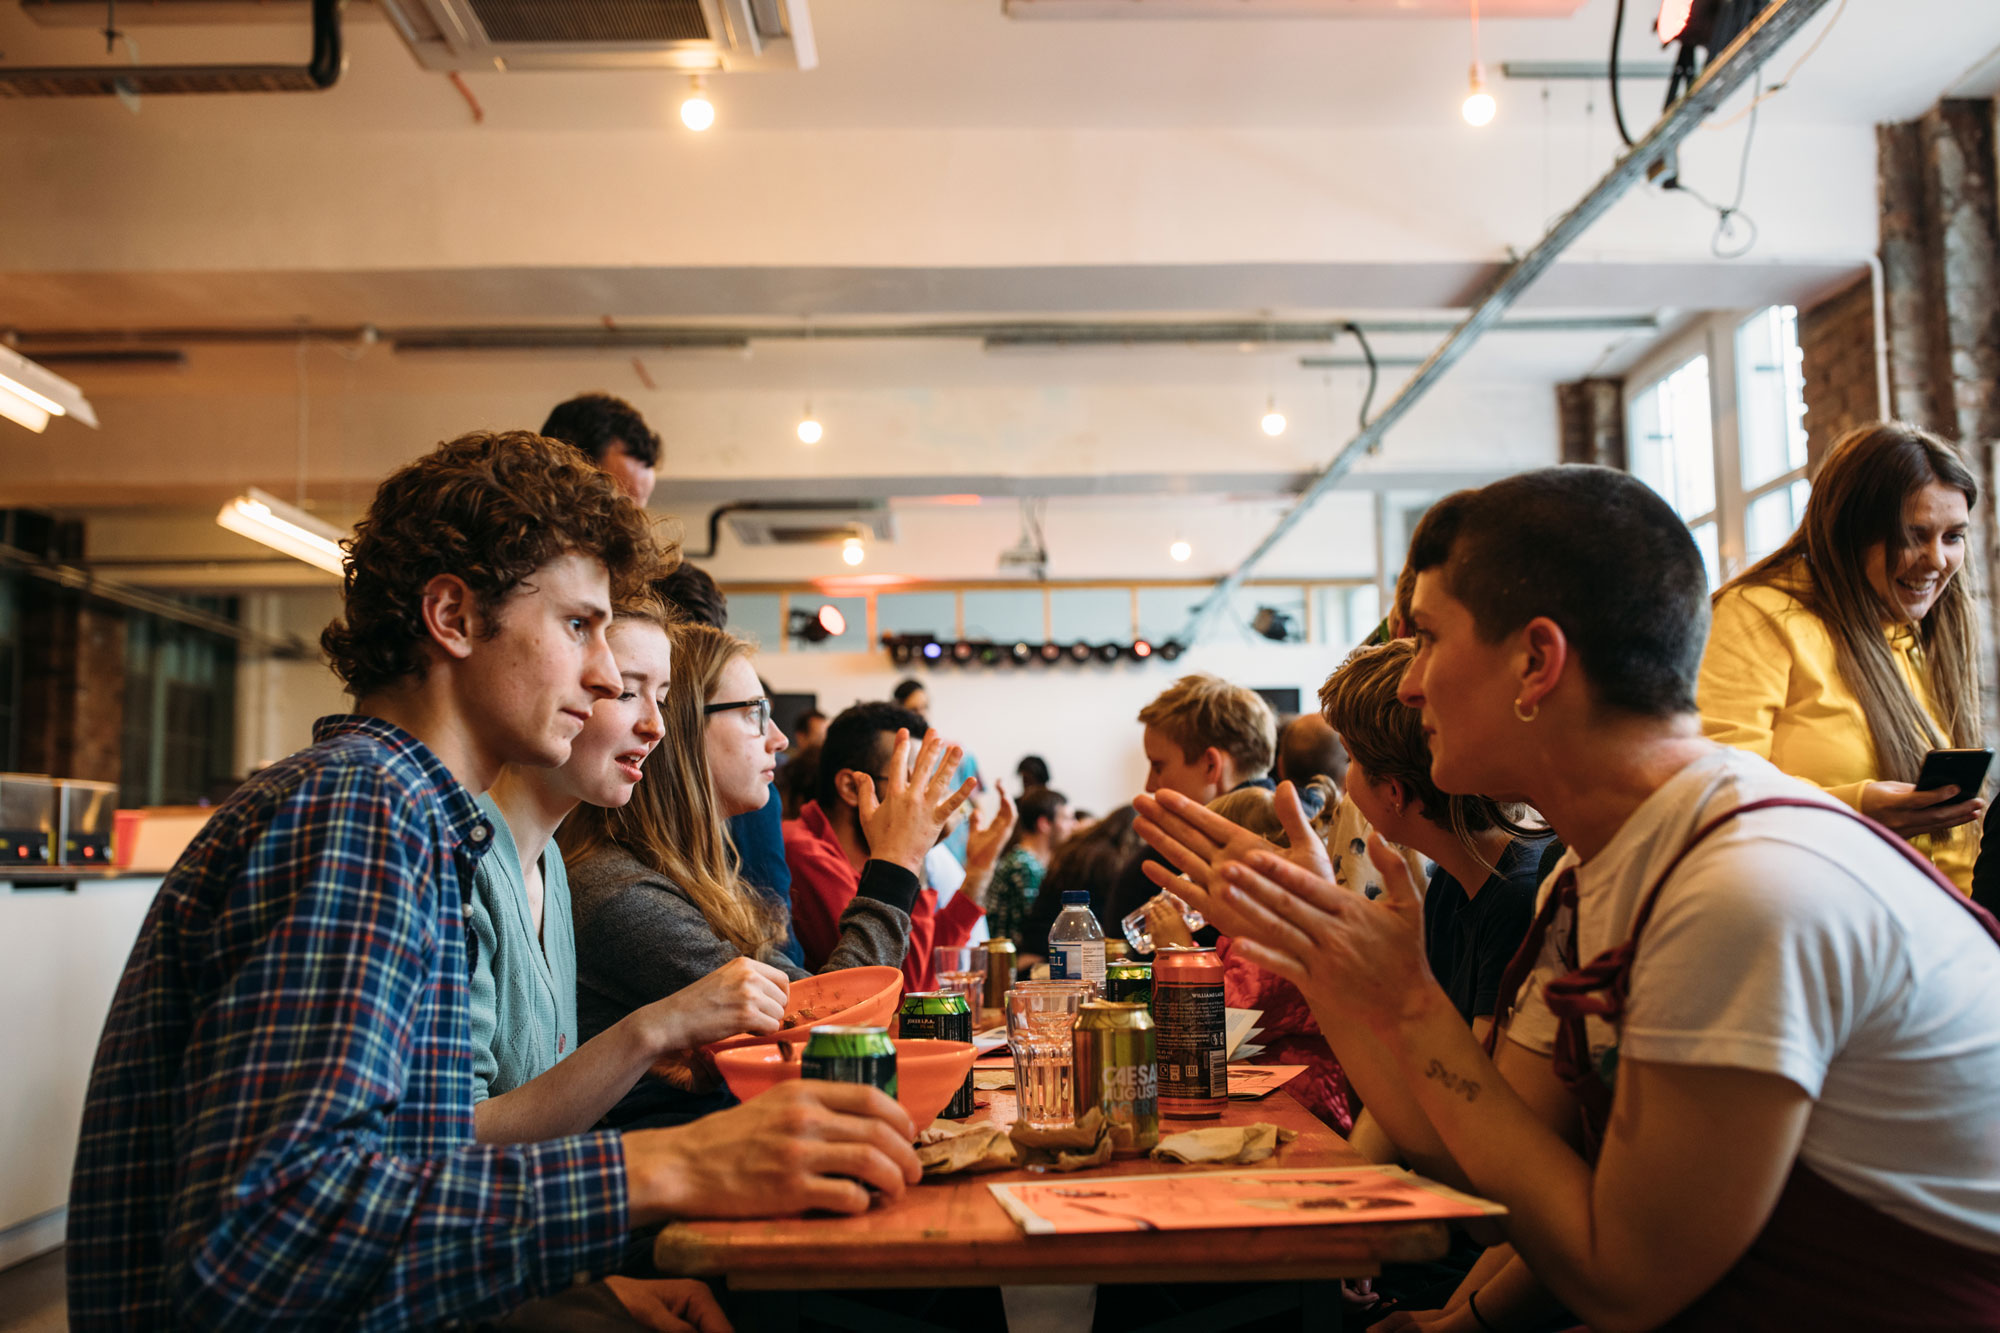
(138, 599)
(1722, 77)
(321, 73)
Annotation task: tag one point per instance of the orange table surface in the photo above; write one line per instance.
(951, 1232)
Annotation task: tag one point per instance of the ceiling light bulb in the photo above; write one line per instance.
(1180, 550)
(1274, 420)
(697, 112)
(1479, 104)
(810, 430)
(852, 551)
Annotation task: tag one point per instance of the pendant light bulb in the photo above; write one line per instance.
(1274, 420)
(1180, 551)
(1479, 106)
(852, 551)
(810, 431)
(697, 112)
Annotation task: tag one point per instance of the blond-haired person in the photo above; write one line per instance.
(1848, 653)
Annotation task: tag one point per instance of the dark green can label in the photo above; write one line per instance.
(941, 1016)
(1129, 983)
(851, 1055)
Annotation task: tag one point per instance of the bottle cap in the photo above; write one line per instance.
(1076, 897)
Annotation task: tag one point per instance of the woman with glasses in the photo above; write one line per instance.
(659, 900)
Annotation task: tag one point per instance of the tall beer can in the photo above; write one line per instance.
(941, 1015)
(999, 974)
(1191, 1033)
(851, 1055)
(1115, 1073)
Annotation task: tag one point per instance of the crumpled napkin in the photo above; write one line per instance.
(1223, 1143)
(949, 1150)
(1071, 1148)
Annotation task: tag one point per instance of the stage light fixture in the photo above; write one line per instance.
(1141, 650)
(1171, 650)
(818, 626)
(961, 652)
(1022, 653)
(1079, 652)
(1052, 652)
(1672, 23)
(991, 654)
(1109, 652)
(901, 650)
(932, 650)
(1272, 623)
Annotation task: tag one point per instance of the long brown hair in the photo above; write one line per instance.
(671, 825)
(1857, 503)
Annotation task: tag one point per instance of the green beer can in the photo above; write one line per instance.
(1129, 983)
(941, 1015)
(851, 1055)
(1116, 1073)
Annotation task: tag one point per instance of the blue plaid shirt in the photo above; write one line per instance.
(279, 1123)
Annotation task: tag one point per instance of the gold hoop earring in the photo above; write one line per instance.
(1528, 714)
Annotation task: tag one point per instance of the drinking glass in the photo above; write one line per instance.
(1140, 936)
(963, 969)
(1041, 1029)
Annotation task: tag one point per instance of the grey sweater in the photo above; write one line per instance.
(640, 938)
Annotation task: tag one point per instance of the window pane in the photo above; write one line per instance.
(932, 613)
(1671, 442)
(1163, 612)
(852, 640)
(754, 616)
(1283, 611)
(1095, 615)
(1770, 395)
(1705, 539)
(1343, 617)
(1772, 517)
(1004, 615)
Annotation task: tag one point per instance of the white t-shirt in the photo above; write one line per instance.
(1798, 943)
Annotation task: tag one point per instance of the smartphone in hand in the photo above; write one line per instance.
(1963, 769)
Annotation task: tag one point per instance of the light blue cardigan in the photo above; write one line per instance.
(523, 988)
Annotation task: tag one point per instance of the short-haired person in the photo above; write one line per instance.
(811, 729)
(1308, 748)
(1772, 1026)
(1033, 771)
(661, 904)
(279, 1123)
(1043, 822)
(613, 435)
(832, 846)
(1850, 652)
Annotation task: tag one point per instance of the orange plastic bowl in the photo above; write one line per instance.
(851, 997)
(927, 1072)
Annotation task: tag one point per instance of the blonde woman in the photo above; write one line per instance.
(1848, 654)
(658, 899)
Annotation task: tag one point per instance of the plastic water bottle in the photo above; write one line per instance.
(1076, 943)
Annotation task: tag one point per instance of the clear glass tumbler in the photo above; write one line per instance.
(1041, 1029)
(963, 969)
(1140, 936)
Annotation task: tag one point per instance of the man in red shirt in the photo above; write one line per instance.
(827, 847)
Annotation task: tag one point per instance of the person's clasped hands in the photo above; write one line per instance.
(1364, 958)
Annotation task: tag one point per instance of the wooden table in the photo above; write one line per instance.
(952, 1233)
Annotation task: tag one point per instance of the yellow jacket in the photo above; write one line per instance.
(1769, 685)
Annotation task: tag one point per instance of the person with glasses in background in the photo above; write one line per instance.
(835, 851)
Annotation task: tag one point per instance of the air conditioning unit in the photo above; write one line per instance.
(773, 524)
(694, 36)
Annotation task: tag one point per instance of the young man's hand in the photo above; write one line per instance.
(1197, 841)
(802, 1145)
(670, 1305)
(743, 995)
(901, 823)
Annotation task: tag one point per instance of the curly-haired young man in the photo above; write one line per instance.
(279, 1127)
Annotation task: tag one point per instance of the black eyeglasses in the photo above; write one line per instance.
(760, 711)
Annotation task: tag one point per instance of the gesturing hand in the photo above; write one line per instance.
(743, 995)
(1195, 840)
(1359, 957)
(804, 1144)
(901, 824)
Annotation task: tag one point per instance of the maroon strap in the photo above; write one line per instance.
(1600, 987)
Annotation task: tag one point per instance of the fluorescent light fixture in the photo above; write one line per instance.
(263, 517)
(31, 394)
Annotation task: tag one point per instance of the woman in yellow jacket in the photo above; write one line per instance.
(1848, 654)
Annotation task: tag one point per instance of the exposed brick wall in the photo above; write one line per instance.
(1592, 417)
(1837, 337)
(72, 685)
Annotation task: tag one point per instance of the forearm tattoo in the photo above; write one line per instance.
(1457, 1083)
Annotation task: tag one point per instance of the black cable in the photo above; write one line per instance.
(1374, 371)
(1618, 110)
(1727, 218)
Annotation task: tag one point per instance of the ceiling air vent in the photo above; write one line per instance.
(807, 523)
(691, 35)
